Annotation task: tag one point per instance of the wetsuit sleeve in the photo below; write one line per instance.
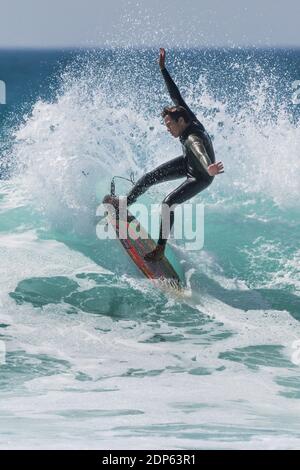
(196, 146)
(175, 93)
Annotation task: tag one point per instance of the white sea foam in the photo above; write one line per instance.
(170, 376)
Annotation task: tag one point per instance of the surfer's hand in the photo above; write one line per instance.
(215, 169)
(162, 56)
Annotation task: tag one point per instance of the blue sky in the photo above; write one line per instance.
(204, 23)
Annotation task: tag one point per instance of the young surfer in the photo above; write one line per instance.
(197, 164)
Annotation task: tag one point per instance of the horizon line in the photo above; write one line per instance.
(142, 47)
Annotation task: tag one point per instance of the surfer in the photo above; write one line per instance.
(197, 164)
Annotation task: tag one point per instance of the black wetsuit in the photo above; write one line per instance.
(198, 154)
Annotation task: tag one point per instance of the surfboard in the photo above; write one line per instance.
(138, 247)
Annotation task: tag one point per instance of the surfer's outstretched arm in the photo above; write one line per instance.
(172, 87)
(200, 157)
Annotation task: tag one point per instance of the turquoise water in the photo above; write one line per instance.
(92, 354)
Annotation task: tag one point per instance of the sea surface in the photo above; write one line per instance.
(94, 356)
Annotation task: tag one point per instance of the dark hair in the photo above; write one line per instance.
(175, 112)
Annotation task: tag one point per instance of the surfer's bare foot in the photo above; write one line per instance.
(155, 255)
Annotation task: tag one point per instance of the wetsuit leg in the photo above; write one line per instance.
(173, 169)
(189, 188)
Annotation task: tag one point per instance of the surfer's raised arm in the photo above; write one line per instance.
(172, 87)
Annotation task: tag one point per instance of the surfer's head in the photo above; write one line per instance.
(176, 120)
